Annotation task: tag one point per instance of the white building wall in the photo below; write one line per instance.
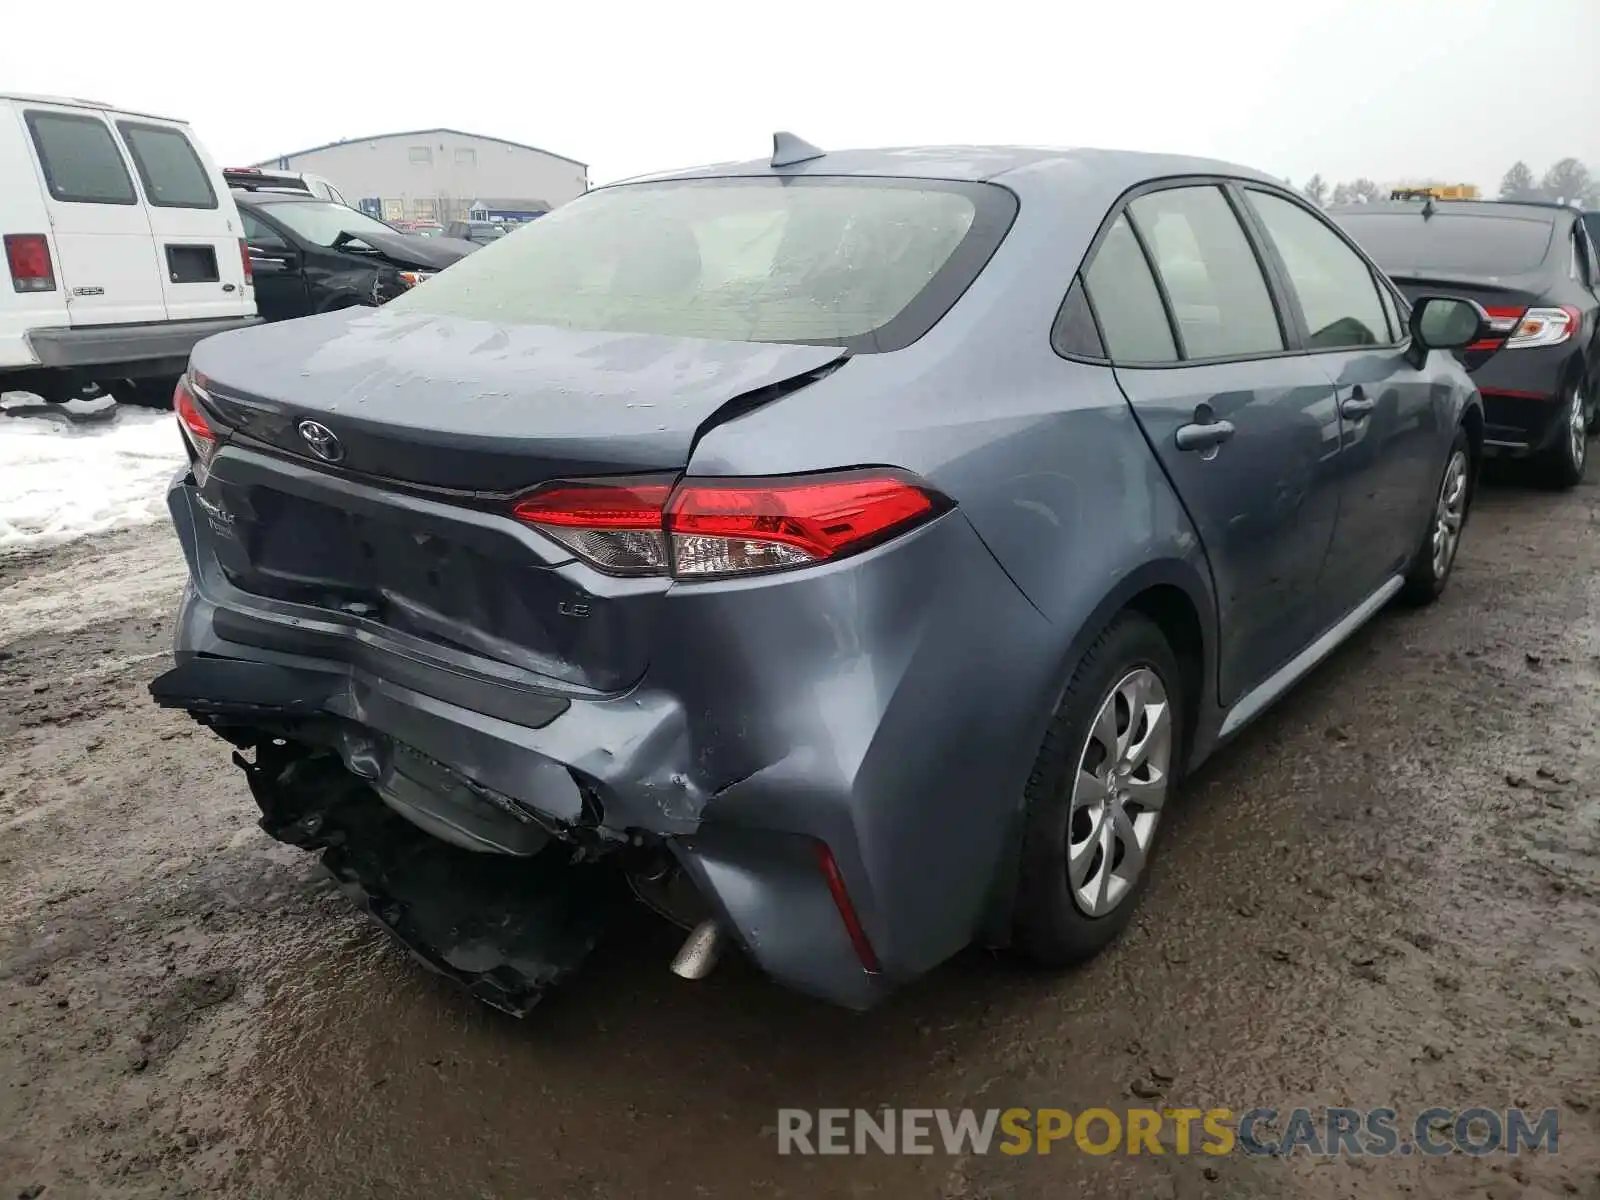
(439, 169)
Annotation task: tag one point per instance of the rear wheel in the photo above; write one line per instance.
(1565, 460)
(1436, 555)
(1097, 793)
(146, 393)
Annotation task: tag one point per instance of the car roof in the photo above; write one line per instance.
(266, 196)
(976, 164)
(1543, 212)
(79, 102)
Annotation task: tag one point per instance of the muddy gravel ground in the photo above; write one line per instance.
(1386, 893)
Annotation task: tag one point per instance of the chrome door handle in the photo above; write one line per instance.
(1204, 437)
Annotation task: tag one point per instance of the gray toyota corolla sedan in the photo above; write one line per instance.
(845, 554)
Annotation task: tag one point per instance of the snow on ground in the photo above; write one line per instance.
(60, 480)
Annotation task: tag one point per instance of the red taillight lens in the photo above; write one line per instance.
(704, 528)
(197, 430)
(244, 258)
(615, 525)
(28, 257)
(724, 527)
(865, 954)
(1545, 327)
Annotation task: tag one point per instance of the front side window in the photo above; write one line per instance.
(81, 162)
(869, 264)
(172, 173)
(1219, 295)
(1337, 294)
(258, 233)
(1125, 298)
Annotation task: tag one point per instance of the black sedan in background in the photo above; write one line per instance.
(1534, 268)
(312, 256)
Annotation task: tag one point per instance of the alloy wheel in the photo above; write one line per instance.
(1449, 514)
(1119, 791)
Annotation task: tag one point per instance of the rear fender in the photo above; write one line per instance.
(1205, 714)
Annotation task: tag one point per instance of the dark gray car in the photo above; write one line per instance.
(846, 553)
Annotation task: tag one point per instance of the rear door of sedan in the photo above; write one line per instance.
(1243, 421)
(1398, 420)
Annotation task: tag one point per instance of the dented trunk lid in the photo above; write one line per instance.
(406, 533)
(483, 407)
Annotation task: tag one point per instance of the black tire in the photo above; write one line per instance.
(1563, 463)
(1426, 577)
(1052, 928)
(146, 393)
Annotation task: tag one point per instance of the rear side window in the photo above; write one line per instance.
(170, 170)
(867, 264)
(81, 162)
(1403, 243)
(1075, 333)
(1126, 300)
(1219, 296)
(1337, 294)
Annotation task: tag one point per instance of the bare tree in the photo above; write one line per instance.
(1341, 193)
(1518, 183)
(1316, 191)
(1365, 191)
(1568, 180)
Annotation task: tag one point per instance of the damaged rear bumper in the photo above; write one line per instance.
(739, 754)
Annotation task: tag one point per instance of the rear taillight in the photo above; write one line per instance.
(244, 258)
(28, 257)
(1519, 328)
(1544, 327)
(707, 528)
(197, 431)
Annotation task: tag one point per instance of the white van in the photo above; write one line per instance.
(122, 244)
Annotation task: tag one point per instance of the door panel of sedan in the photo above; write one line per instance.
(1244, 425)
(1397, 423)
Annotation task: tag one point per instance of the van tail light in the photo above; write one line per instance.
(712, 528)
(28, 257)
(196, 427)
(244, 258)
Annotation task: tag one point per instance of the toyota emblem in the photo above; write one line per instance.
(324, 443)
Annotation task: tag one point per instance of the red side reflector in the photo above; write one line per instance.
(867, 956)
(244, 257)
(28, 258)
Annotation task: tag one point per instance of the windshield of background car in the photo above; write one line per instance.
(869, 264)
(1463, 244)
(321, 223)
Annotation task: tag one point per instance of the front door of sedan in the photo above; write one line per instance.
(1398, 421)
(1246, 429)
(278, 270)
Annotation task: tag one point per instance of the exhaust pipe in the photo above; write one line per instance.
(698, 954)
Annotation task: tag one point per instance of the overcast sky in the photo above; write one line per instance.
(1390, 89)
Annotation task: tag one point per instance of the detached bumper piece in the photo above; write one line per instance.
(506, 928)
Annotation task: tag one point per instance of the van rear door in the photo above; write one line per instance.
(196, 225)
(107, 263)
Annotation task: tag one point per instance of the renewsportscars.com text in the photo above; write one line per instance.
(1344, 1132)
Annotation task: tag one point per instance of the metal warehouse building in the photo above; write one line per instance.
(442, 175)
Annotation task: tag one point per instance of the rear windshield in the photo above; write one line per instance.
(869, 264)
(1460, 243)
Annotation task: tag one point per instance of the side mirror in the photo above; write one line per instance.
(1446, 323)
